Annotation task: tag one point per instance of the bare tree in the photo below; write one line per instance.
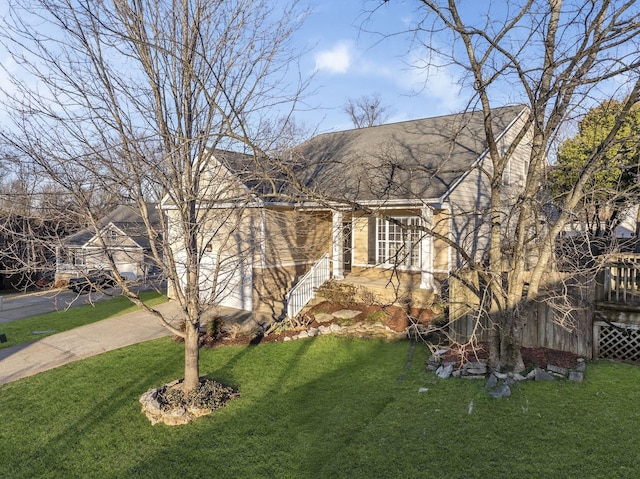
(558, 58)
(367, 110)
(139, 98)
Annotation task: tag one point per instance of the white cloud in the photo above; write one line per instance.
(336, 60)
(431, 76)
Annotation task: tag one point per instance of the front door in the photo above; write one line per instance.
(347, 247)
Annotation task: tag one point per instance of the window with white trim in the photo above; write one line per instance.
(398, 241)
(78, 257)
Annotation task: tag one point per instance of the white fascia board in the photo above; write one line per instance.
(256, 203)
(377, 204)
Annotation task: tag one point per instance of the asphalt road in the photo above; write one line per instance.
(19, 306)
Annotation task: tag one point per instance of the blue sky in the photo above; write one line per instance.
(349, 62)
(351, 54)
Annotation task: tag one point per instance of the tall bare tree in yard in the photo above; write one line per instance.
(558, 58)
(137, 98)
(367, 110)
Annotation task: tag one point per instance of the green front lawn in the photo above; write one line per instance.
(319, 408)
(21, 331)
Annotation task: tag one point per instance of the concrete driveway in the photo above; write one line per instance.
(47, 353)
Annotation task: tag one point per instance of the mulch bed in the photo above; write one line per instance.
(532, 357)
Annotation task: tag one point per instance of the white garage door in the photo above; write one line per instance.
(232, 276)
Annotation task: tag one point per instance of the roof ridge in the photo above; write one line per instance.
(436, 117)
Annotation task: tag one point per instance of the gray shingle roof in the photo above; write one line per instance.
(418, 159)
(124, 217)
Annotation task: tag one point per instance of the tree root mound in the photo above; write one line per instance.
(171, 405)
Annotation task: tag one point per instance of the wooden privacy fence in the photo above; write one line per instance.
(542, 328)
(609, 329)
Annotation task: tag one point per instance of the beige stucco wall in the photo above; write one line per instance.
(295, 236)
(441, 219)
(360, 239)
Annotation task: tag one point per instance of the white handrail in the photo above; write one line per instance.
(305, 289)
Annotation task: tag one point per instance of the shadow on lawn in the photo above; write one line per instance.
(301, 417)
(93, 425)
(298, 414)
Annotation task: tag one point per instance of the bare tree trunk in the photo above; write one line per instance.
(191, 356)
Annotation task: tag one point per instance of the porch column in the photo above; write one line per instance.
(426, 251)
(338, 245)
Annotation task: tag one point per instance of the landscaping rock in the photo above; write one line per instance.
(346, 314)
(557, 370)
(500, 392)
(172, 417)
(434, 362)
(542, 375)
(576, 376)
(476, 371)
(475, 368)
(443, 372)
(323, 317)
(497, 380)
(163, 405)
(476, 365)
(324, 329)
(492, 382)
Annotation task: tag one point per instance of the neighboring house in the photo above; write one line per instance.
(626, 227)
(125, 239)
(362, 197)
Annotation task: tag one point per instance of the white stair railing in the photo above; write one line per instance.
(305, 289)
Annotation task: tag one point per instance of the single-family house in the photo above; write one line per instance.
(378, 207)
(121, 234)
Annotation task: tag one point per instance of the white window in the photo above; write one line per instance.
(525, 169)
(78, 257)
(398, 241)
(506, 174)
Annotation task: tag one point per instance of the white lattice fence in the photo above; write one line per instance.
(616, 341)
